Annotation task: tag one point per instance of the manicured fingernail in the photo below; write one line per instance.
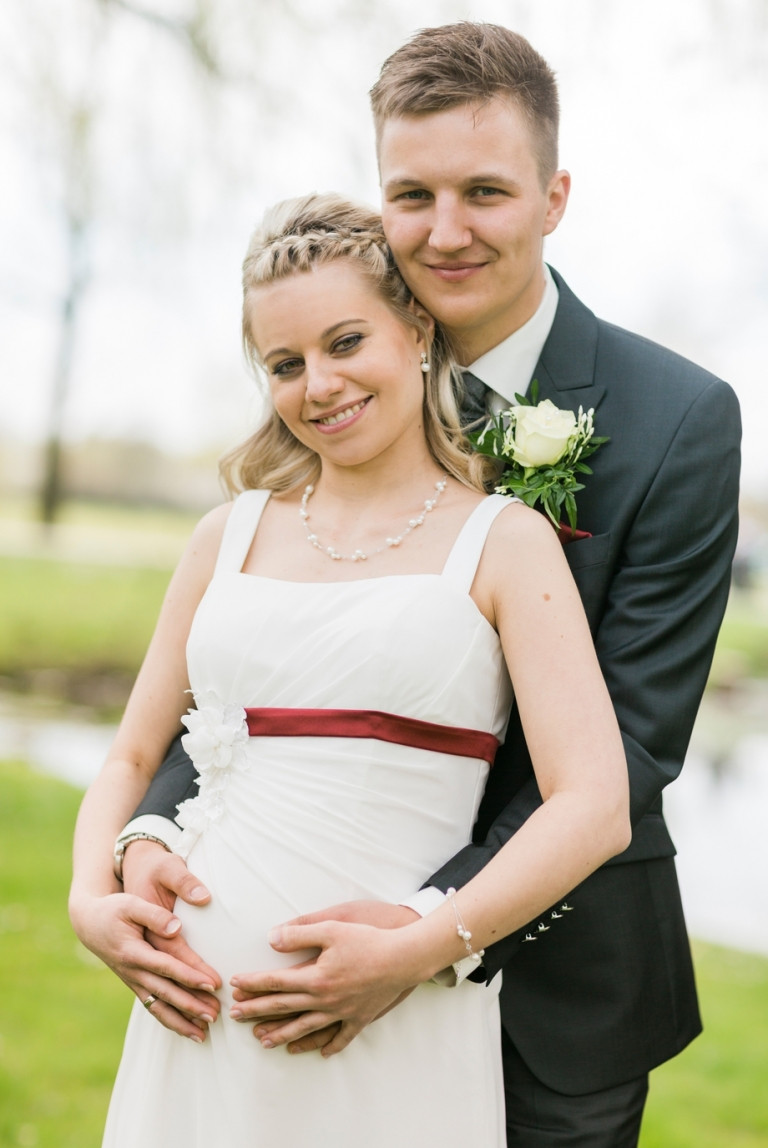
(208, 988)
(234, 981)
(275, 936)
(235, 1013)
(196, 1039)
(172, 927)
(267, 1043)
(198, 893)
(207, 1017)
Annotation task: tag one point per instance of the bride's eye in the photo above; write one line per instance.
(286, 367)
(347, 343)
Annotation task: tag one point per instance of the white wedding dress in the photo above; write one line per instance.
(286, 825)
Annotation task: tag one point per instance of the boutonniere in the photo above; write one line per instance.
(543, 450)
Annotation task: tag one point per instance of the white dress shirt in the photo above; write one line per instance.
(507, 368)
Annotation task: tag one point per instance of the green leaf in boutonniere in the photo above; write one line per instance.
(543, 450)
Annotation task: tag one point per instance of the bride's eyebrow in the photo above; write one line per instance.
(326, 334)
(343, 323)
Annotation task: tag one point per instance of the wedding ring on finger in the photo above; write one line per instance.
(151, 999)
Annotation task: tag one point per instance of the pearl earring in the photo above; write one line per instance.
(424, 362)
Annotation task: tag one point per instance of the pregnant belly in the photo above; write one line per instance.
(314, 822)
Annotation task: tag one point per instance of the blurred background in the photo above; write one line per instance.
(140, 141)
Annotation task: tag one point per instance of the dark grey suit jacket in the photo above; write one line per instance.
(608, 992)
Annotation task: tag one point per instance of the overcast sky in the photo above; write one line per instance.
(664, 113)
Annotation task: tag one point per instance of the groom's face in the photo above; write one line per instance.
(465, 211)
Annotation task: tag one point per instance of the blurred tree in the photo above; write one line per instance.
(69, 96)
(130, 107)
(72, 117)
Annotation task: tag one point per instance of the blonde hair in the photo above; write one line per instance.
(295, 236)
(471, 63)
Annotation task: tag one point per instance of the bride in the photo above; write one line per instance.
(351, 627)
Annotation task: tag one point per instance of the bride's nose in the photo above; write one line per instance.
(322, 382)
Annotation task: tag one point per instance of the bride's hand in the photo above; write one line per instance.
(333, 997)
(113, 927)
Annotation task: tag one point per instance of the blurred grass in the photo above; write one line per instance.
(69, 615)
(63, 1014)
(78, 603)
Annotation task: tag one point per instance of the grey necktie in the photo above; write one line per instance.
(474, 407)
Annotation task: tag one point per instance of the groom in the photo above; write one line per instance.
(466, 124)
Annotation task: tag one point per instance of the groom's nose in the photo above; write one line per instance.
(450, 230)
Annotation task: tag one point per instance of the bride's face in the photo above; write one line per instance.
(344, 370)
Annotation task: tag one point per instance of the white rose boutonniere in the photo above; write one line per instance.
(543, 450)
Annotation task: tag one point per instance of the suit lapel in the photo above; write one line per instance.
(566, 367)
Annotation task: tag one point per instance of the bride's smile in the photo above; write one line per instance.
(340, 420)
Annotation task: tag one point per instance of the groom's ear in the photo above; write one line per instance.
(558, 190)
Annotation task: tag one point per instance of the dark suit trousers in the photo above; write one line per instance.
(539, 1117)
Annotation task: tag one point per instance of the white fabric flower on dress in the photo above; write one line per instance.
(217, 743)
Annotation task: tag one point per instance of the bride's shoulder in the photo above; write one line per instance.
(519, 534)
(210, 527)
(209, 531)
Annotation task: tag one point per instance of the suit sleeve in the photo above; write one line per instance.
(174, 782)
(657, 633)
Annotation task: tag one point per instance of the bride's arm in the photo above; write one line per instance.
(108, 922)
(525, 588)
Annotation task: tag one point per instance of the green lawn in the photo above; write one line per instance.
(63, 1014)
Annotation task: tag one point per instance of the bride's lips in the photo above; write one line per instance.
(342, 417)
(454, 272)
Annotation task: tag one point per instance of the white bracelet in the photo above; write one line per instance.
(462, 930)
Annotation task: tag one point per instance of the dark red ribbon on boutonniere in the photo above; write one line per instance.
(568, 533)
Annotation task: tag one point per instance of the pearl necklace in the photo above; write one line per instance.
(358, 555)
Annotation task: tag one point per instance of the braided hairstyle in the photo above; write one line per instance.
(296, 236)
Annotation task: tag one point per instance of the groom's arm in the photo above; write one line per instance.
(658, 631)
(174, 782)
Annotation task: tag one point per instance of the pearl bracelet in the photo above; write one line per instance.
(462, 930)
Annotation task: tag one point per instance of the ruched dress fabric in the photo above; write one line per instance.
(289, 825)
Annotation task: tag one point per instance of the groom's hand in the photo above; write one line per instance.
(324, 1003)
(151, 872)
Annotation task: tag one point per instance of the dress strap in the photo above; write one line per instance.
(243, 520)
(461, 565)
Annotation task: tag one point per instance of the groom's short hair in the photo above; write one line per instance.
(471, 63)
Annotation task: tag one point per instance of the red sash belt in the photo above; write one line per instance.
(374, 724)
